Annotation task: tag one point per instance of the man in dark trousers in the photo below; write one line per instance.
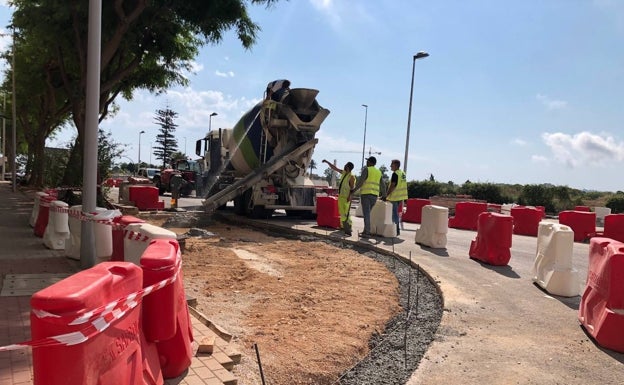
(397, 191)
(371, 183)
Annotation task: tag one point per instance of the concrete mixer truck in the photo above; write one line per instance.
(261, 163)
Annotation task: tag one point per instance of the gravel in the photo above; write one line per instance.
(395, 353)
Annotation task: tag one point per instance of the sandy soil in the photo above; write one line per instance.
(319, 313)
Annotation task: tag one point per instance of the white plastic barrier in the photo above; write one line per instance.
(137, 237)
(72, 244)
(553, 269)
(103, 233)
(506, 208)
(433, 227)
(381, 219)
(35, 211)
(57, 229)
(601, 213)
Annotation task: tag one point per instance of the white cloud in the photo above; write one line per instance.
(551, 104)
(228, 74)
(519, 142)
(329, 9)
(584, 148)
(539, 159)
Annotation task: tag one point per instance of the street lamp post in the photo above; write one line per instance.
(419, 55)
(210, 121)
(140, 133)
(185, 147)
(364, 143)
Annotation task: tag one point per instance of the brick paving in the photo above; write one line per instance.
(21, 252)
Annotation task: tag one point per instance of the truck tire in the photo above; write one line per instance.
(158, 184)
(259, 212)
(186, 190)
(241, 203)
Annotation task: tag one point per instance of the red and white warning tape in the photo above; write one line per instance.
(97, 320)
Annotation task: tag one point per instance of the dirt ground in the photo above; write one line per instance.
(319, 313)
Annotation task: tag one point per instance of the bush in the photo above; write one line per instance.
(616, 204)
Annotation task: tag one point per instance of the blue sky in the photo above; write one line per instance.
(513, 91)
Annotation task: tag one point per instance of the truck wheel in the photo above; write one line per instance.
(308, 215)
(259, 212)
(186, 190)
(241, 203)
(161, 188)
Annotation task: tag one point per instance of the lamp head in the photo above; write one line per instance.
(421, 55)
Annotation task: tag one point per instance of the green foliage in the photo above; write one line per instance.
(616, 203)
(167, 144)
(384, 174)
(423, 189)
(55, 161)
(537, 195)
(108, 149)
(484, 191)
(312, 165)
(330, 174)
(145, 45)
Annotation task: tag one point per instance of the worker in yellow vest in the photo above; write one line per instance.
(346, 184)
(397, 191)
(372, 185)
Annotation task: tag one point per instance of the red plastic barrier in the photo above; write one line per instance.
(542, 209)
(118, 235)
(112, 182)
(582, 208)
(526, 220)
(581, 222)
(166, 318)
(145, 197)
(413, 214)
(43, 215)
(614, 227)
(602, 303)
(327, 214)
(117, 355)
(493, 242)
(466, 215)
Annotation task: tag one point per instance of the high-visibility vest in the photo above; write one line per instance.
(371, 184)
(400, 190)
(345, 187)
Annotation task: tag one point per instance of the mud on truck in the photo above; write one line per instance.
(261, 163)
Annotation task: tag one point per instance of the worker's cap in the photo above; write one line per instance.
(372, 159)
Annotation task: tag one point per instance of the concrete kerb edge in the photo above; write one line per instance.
(218, 330)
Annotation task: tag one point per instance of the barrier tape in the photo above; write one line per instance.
(77, 214)
(98, 319)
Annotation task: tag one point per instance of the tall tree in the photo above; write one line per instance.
(40, 105)
(312, 166)
(145, 45)
(167, 144)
